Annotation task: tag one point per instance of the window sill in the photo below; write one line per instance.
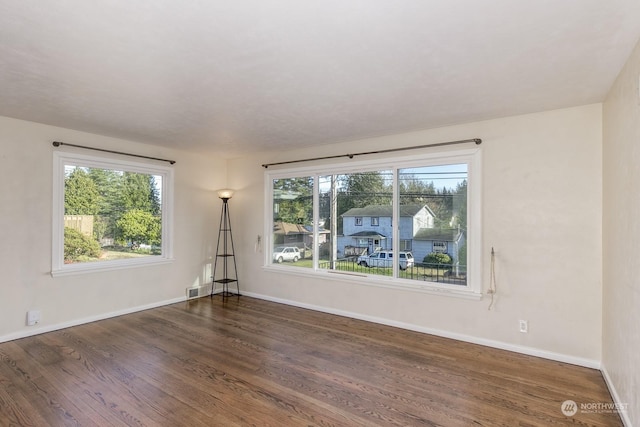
(363, 279)
(99, 267)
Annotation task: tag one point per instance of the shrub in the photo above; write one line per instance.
(437, 258)
(78, 247)
(139, 226)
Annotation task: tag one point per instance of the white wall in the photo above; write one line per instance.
(541, 212)
(25, 240)
(621, 237)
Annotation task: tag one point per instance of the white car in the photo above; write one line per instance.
(385, 259)
(286, 253)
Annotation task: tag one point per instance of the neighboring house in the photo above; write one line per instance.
(301, 236)
(442, 240)
(369, 228)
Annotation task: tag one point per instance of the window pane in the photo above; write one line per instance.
(293, 222)
(433, 222)
(345, 202)
(111, 214)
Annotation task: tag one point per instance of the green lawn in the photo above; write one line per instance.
(111, 255)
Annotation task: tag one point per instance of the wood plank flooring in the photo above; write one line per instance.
(250, 362)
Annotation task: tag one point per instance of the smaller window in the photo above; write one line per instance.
(358, 220)
(405, 245)
(109, 213)
(374, 221)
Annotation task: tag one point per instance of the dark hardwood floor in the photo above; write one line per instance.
(252, 362)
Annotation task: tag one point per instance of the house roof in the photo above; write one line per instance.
(385, 210)
(288, 228)
(368, 234)
(442, 234)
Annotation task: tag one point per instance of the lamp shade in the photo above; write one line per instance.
(225, 194)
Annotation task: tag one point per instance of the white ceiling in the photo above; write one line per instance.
(240, 75)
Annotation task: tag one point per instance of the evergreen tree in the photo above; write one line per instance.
(358, 190)
(109, 184)
(460, 206)
(137, 192)
(154, 196)
(293, 200)
(416, 191)
(81, 195)
(441, 204)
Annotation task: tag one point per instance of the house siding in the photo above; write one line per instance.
(408, 228)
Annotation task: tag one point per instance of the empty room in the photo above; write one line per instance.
(319, 213)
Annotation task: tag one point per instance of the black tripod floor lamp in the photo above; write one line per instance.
(225, 253)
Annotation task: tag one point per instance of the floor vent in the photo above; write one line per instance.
(197, 292)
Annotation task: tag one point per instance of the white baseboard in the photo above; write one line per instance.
(594, 364)
(624, 415)
(49, 328)
(588, 363)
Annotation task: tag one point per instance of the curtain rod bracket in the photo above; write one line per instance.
(59, 143)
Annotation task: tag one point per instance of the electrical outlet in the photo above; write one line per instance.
(33, 317)
(524, 326)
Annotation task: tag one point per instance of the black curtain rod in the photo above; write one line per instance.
(477, 141)
(58, 143)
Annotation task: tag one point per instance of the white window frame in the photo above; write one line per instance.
(471, 157)
(62, 159)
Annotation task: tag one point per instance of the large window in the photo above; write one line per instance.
(109, 214)
(425, 209)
